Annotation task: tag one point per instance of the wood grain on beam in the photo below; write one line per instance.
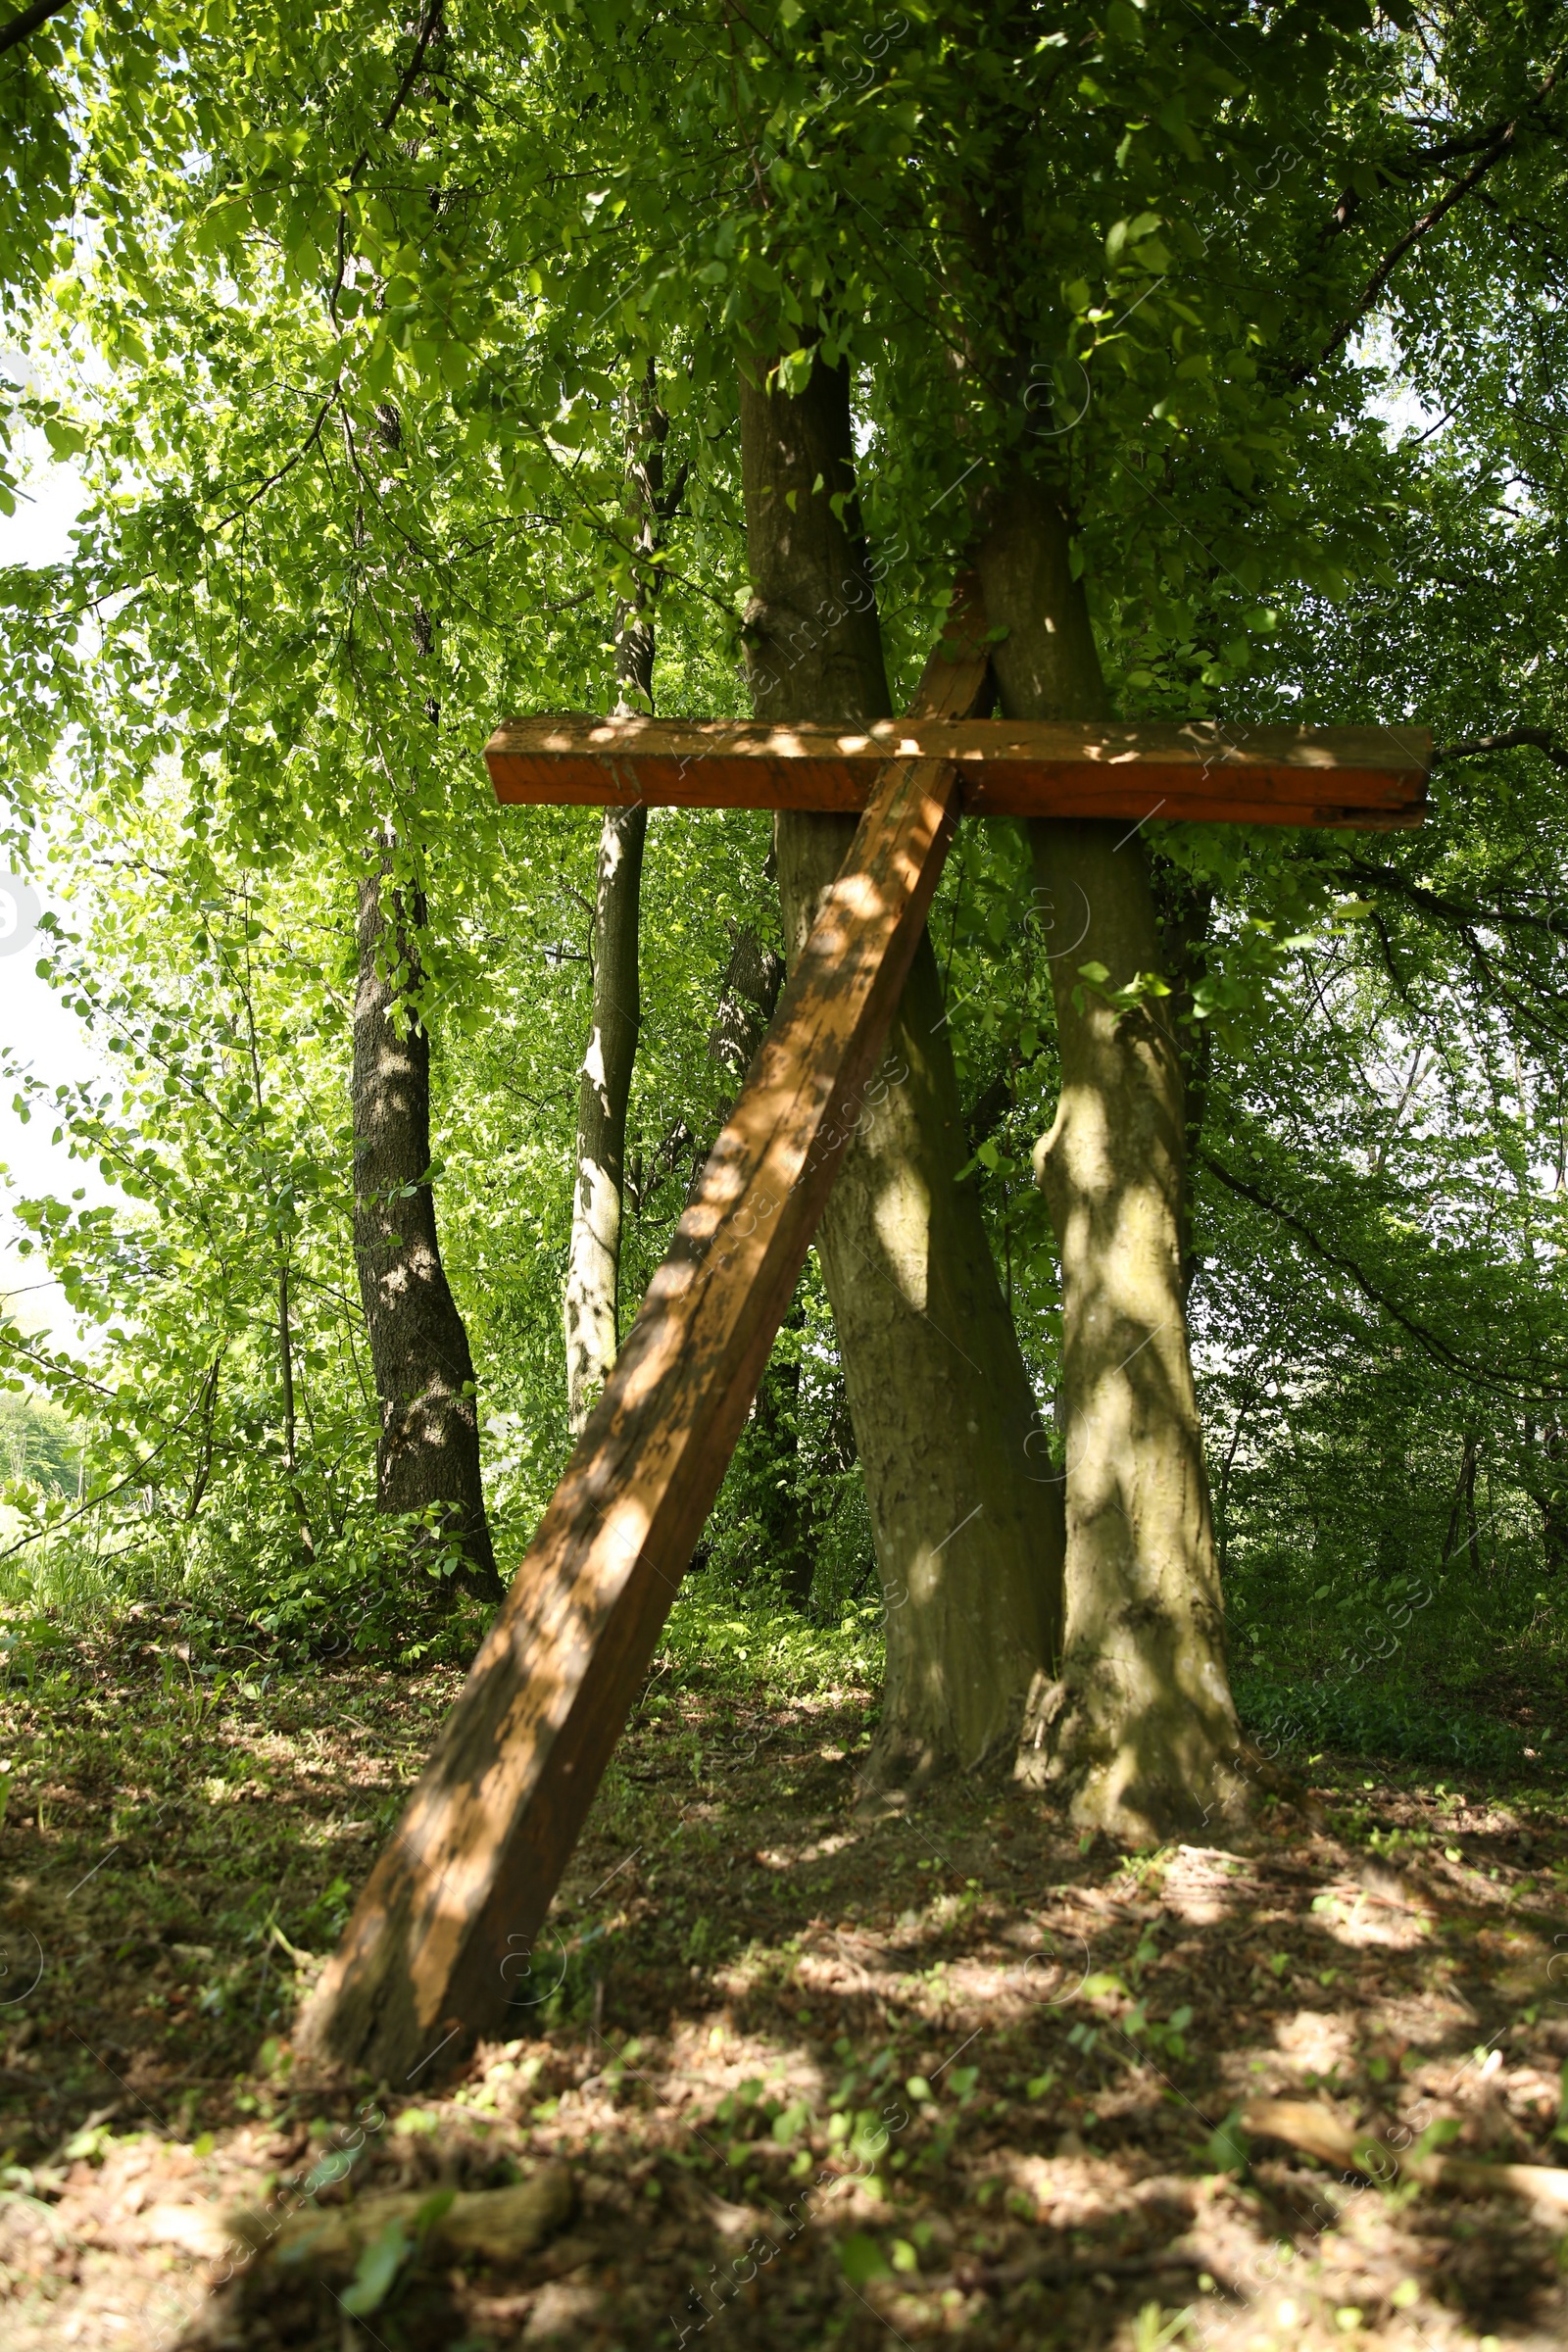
(1371, 777)
(437, 1950)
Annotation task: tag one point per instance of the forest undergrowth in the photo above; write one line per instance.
(952, 2072)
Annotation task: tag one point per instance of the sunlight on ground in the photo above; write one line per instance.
(944, 2075)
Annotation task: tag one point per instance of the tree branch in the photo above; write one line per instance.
(287, 468)
(1536, 739)
(1499, 145)
(1426, 159)
(1453, 911)
(1374, 1292)
(18, 27)
(428, 32)
(426, 35)
(1385, 270)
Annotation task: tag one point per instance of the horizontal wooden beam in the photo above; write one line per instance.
(1368, 777)
(438, 1949)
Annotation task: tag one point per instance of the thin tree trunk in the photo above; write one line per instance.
(1249, 1398)
(1141, 1727)
(1463, 1511)
(591, 1303)
(745, 1005)
(285, 1357)
(427, 1452)
(776, 1455)
(285, 1335)
(1553, 1515)
(1468, 1485)
(747, 997)
(1185, 918)
(1541, 1478)
(591, 1307)
(965, 1518)
(207, 1415)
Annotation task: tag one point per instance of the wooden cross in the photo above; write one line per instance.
(441, 1946)
(1369, 777)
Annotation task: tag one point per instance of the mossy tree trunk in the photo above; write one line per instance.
(968, 1540)
(1139, 1726)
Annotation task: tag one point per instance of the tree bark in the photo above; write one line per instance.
(1140, 1728)
(1472, 1461)
(427, 1452)
(1184, 915)
(774, 1459)
(591, 1303)
(591, 1308)
(1541, 1478)
(286, 1355)
(967, 1523)
(245, 982)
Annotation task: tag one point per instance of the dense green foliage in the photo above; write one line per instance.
(352, 400)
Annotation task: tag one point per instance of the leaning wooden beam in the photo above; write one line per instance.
(1370, 777)
(438, 1944)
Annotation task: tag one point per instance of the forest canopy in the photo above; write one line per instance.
(349, 347)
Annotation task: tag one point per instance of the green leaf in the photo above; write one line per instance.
(1227, 2148)
(863, 2260)
(376, 2269)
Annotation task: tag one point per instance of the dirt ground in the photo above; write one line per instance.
(817, 2080)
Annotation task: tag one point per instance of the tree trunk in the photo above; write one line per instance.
(285, 1357)
(427, 1452)
(1554, 1511)
(1249, 1398)
(285, 1334)
(1467, 1487)
(1542, 1480)
(969, 1538)
(775, 1461)
(1139, 1729)
(591, 1304)
(1463, 1485)
(1186, 914)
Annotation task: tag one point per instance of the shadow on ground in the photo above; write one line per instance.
(817, 2081)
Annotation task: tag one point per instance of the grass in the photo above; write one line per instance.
(1440, 1669)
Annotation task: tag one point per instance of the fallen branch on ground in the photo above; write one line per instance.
(1318, 2131)
(494, 2225)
